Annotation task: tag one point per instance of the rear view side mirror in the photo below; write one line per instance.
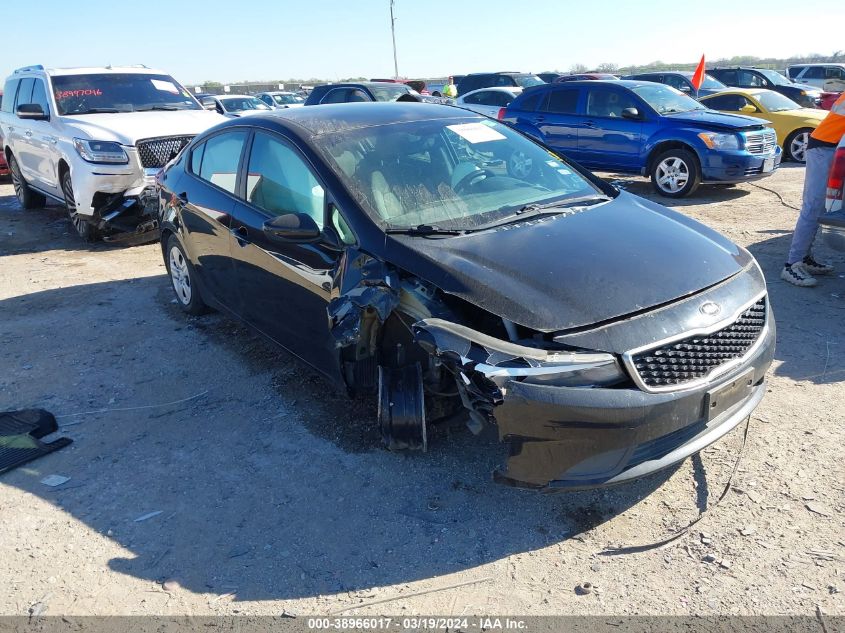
(292, 227)
(631, 113)
(31, 112)
(686, 89)
(209, 106)
(748, 109)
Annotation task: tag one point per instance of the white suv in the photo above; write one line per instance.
(94, 139)
(828, 76)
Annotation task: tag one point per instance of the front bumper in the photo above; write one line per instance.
(737, 166)
(564, 438)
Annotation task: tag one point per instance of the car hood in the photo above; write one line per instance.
(711, 119)
(128, 127)
(568, 271)
(805, 87)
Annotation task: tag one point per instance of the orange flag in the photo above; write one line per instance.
(698, 75)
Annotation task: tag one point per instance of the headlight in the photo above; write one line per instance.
(100, 151)
(563, 369)
(714, 140)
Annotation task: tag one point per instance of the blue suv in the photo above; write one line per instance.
(646, 128)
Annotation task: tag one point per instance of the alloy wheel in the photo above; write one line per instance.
(672, 174)
(798, 146)
(520, 165)
(180, 276)
(78, 222)
(17, 179)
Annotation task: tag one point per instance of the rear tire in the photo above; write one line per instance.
(675, 173)
(795, 146)
(183, 278)
(27, 197)
(87, 231)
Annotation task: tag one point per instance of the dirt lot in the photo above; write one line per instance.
(273, 494)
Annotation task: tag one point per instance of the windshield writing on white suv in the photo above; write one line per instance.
(453, 174)
(119, 92)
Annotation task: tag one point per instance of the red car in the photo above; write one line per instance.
(827, 99)
(4, 167)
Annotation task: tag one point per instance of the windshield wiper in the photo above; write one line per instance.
(535, 210)
(424, 229)
(167, 108)
(97, 111)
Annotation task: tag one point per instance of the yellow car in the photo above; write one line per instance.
(792, 123)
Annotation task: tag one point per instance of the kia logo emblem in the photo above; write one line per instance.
(710, 309)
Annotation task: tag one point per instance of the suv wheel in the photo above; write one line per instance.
(675, 173)
(28, 198)
(84, 228)
(795, 146)
(183, 278)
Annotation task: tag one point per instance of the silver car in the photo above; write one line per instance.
(488, 101)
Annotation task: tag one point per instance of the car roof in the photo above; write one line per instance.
(509, 89)
(625, 83)
(231, 96)
(746, 92)
(332, 118)
(88, 70)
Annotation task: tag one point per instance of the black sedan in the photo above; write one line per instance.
(450, 267)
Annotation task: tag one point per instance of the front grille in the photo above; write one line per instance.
(761, 142)
(156, 152)
(697, 356)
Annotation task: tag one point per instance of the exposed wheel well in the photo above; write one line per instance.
(165, 236)
(665, 145)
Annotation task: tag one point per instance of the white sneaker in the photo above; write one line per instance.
(816, 268)
(797, 275)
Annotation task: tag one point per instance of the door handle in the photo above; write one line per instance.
(28, 133)
(539, 119)
(241, 234)
(51, 139)
(590, 124)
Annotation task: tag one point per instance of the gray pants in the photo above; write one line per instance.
(819, 160)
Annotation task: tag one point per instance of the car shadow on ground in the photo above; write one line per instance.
(264, 477)
(38, 230)
(814, 354)
(704, 194)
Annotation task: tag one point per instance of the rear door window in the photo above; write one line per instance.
(220, 159)
(834, 72)
(562, 101)
(529, 104)
(9, 93)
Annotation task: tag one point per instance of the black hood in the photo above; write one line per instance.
(567, 271)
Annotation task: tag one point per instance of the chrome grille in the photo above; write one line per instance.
(761, 142)
(156, 152)
(697, 356)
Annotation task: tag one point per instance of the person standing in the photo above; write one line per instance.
(801, 266)
(450, 89)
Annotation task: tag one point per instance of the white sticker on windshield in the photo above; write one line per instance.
(165, 86)
(476, 132)
(565, 172)
(552, 163)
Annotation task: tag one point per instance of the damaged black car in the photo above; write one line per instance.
(451, 267)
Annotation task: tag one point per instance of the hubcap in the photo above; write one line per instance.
(672, 174)
(798, 146)
(180, 276)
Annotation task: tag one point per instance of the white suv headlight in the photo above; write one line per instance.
(100, 151)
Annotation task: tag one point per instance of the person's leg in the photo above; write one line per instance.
(819, 160)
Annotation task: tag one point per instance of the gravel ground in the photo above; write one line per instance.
(273, 496)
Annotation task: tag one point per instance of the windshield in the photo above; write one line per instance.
(667, 100)
(775, 101)
(120, 92)
(453, 174)
(775, 77)
(389, 92)
(711, 83)
(526, 81)
(239, 104)
(287, 99)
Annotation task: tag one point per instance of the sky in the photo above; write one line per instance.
(230, 41)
